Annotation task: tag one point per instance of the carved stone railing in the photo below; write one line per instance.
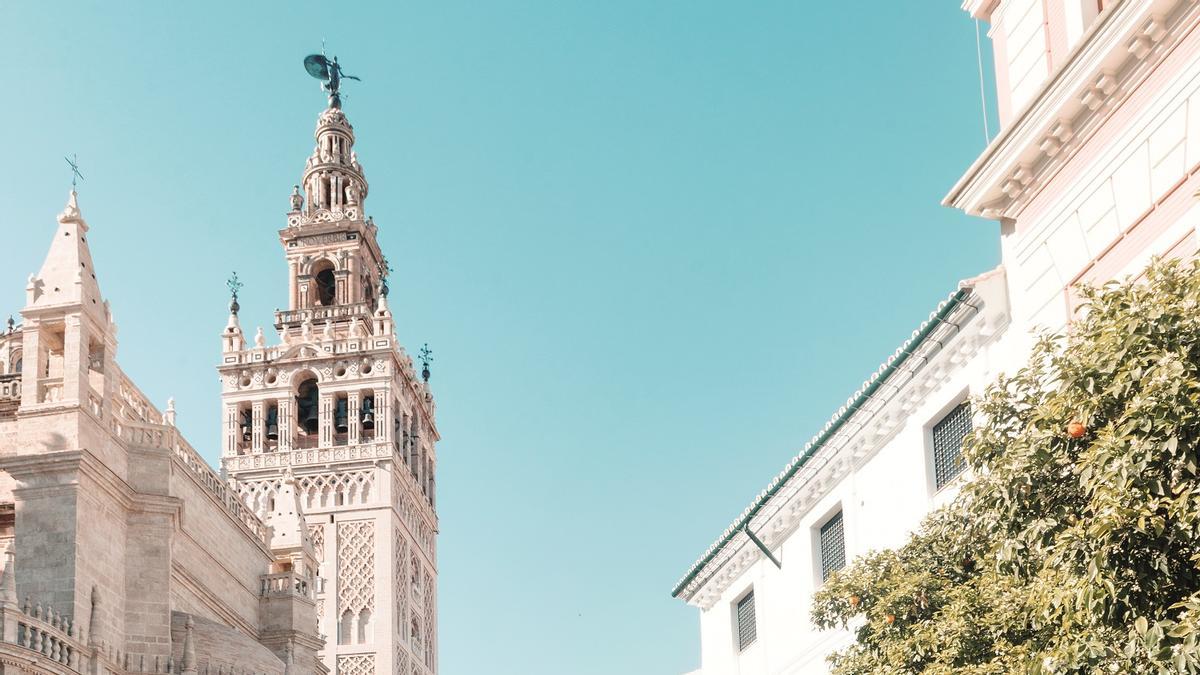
(318, 315)
(10, 387)
(10, 393)
(51, 635)
(50, 389)
(133, 404)
(307, 456)
(95, 403)
(168, 438)
(286, 584)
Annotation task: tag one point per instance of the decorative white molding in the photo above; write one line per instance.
(1119, 52)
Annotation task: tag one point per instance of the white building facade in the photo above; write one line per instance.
(1094, 173)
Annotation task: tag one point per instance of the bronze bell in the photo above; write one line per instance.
(308, 408)
(273, 423)
(340, 422)
(367, 414)
(247, 424)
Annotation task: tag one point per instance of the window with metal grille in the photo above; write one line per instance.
(948, 436)
(833, 546)
(747, 628)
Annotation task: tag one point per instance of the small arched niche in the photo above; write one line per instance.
(326, 283)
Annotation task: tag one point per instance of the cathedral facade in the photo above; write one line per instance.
(312, 550)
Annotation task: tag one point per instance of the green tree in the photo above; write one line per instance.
(1061, 554)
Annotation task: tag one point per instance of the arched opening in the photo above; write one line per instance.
(308, 408)
(366, 414)
(326, 284)
(414, 444)
(364, 626)
(341, 419)
(345, 628)
(272, 425)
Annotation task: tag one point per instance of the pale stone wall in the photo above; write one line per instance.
(215, 563)
(117, 523)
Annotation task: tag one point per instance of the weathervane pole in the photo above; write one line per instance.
(73, 161)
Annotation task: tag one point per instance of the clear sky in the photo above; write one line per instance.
(653, 245)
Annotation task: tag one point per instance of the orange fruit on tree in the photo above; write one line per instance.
(1076, 429)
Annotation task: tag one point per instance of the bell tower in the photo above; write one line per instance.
(336, 407)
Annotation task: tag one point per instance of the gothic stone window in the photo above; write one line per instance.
(833, 546)
(747, 627)
(948, 435)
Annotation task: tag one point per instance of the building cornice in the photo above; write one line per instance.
(980, 9)
(1121, 49)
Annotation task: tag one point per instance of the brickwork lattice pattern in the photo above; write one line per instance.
(356, 566)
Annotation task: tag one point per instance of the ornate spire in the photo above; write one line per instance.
(333, 179)
(67, 276)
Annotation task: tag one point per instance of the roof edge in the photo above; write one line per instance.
(839, 419)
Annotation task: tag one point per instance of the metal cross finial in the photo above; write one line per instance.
(426, 359)
(234, 285)
(385, 270)
(73, 160)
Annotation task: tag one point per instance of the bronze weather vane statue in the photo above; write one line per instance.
(330, 73)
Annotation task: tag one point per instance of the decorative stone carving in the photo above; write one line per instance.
(356, 664)
(356, 566)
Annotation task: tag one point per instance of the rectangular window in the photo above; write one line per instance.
(948, 435)
(833, 546)
(746, 627)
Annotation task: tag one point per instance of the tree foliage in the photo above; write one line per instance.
(1059, 555)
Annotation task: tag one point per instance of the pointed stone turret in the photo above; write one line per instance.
(8, 586)
(232, 338)
(188, 659)
(67, 276)
(68, 333)
(95, 630)
(289, 534)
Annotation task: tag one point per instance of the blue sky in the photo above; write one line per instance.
(654, 245)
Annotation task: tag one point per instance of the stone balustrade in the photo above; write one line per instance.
(52, 635)
(38, 640)
(168, 438)
(133, 404)
(10, 394)
(50, 389)
(318, 315)
(10, 387)
(307, 456)
(286, 584)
